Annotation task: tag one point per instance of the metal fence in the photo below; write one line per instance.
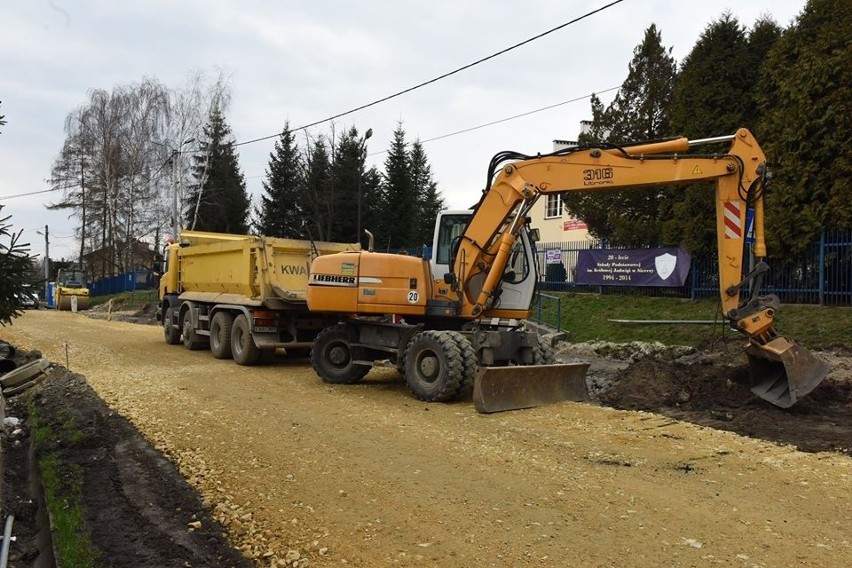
(821, 275)
(140, 279)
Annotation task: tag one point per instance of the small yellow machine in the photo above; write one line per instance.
(457, 323)
(70, 291)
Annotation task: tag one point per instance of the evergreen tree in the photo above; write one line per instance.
(715, 95)
(429, 201)
(806, 91)
(2, 118)
(282, 208)
(402, 205)
(346, 171)
(218, 202)
(374, 208)
(15, 266)
(638, 112)
(317, 190)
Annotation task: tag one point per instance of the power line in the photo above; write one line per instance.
(5, 197)
(439, 77)
(507, 119)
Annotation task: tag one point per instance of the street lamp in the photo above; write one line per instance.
(362, 151)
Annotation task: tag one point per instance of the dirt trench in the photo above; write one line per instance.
(299, 473)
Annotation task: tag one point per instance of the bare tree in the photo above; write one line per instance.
(121, 165)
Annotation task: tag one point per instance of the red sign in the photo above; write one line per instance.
(574, 224)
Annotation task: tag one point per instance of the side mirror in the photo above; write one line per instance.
(449, 278)
(535, 235)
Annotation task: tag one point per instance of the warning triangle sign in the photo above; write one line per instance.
(696, 171)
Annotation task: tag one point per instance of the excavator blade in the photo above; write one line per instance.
(496, 389)
(783, 372)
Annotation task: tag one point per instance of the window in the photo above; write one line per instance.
(553, 206)
(451, 227)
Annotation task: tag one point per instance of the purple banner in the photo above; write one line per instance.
(633, 267)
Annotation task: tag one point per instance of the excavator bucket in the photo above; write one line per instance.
(496, 389)
(783, 372)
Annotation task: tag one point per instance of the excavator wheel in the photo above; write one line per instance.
(220, 335)
(243, 347)
(170, 332)
(469, 363)
(434, 366)
(333, 357)
(191, 340)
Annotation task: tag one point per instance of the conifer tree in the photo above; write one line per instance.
(715, 95)
(402, 205)
(317, 191)
(346, 170)
(374, 208)
(806, 128)
(219, 201)
(638, 112)
(282, 207)
(429, 200)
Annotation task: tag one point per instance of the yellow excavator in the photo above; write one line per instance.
(70, 290)
(456, 322)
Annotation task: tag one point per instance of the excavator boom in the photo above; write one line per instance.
(782, 371)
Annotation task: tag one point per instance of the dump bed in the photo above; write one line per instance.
(246, 269)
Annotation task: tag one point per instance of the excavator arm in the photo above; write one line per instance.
(783, 371)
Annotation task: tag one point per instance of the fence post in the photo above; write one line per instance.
(558, 313)
(822, 267)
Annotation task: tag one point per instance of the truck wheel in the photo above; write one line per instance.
(332, 356)
(469, 363)
(434, 366)
(190, 339)
(243, 348)
(220, 335)
(171, 334)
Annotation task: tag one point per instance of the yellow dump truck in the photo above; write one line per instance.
(241, 295)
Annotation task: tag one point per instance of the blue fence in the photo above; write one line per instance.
(821, 275)
(140, 279)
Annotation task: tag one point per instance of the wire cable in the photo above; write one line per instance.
(439, 77)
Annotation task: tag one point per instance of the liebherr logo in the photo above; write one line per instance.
(333, 280)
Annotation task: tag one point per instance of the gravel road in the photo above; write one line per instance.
(299, 471)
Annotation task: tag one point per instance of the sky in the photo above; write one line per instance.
(305, 61)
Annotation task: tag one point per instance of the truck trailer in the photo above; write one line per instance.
(241, 296)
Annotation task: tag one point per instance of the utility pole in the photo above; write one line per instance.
(46, 263)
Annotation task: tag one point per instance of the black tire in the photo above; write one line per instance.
(332, 357)
(544, 354)
(190, 339)
(469, 363)
(220, 335)
(434, 366)
(243, 348)
(171, 334)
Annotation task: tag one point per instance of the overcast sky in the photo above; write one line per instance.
(304, 61)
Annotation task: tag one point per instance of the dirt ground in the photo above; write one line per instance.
(694, 472)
